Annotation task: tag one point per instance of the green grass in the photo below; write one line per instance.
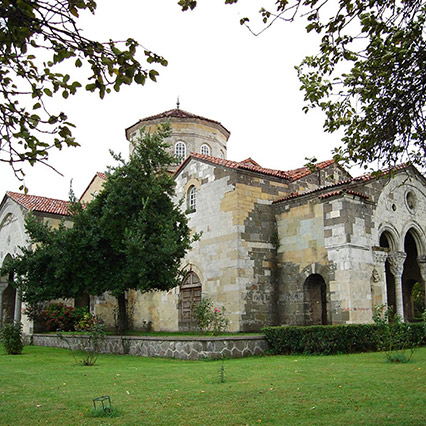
(44, 386)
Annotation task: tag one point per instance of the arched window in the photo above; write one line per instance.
(205, 149)
(180, 150)
(222, 154)
(192, 199)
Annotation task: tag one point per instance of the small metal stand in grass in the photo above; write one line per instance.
(106, 403)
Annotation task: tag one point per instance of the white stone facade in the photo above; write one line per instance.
(276, 247)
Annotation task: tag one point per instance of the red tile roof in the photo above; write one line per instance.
(364, 178)
(178, 113)
(101, 175)
(312, 191)
(341, 192)
(305, 171)
(40, 204)
(250, 161)
(98, 174)
(380, 173)
(250, 164)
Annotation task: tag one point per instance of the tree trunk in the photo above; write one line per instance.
(123, 321)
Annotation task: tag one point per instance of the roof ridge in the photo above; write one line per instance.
(40, 203)
(180, 113)
(36, 196)
(297, 194)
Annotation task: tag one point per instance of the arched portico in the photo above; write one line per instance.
(10, 302)
(405, 265)
(388, 242)
(412, 272)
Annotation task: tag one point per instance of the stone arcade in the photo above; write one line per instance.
(278, 247)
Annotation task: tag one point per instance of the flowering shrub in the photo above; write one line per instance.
(85, 348)
(210, 318)
(59, 316)
(89, 322)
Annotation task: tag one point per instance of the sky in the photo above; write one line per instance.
(218, 69)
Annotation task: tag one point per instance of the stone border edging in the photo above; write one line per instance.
(179, 347)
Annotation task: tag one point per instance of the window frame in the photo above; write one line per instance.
(192, 199)
(207, 147)
(177, 149)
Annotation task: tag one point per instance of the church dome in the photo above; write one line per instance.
(190, 133)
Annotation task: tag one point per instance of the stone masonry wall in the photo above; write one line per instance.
(258, 239)
(235, 257)
(191, 348)
(301, 252)
(348, 230)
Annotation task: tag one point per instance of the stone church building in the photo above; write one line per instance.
(296, 247)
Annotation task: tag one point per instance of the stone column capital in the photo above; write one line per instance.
(396, 262)
(379, 257)
(421, 261)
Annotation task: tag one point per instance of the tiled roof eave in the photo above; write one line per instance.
(178, 114)
(39, 204)
(233, 165)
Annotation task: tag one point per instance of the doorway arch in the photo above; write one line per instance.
(315, 292)
(189, 298)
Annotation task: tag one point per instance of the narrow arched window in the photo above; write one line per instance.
(205, 149)
(180, 150)
(192, 198)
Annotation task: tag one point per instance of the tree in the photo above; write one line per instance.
(49, 29)
(369, 76)
(131, 236)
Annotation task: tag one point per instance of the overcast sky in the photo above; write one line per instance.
(217, 68)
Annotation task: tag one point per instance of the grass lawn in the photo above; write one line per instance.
(45, 386)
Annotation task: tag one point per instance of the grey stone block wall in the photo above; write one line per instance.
(192, 348)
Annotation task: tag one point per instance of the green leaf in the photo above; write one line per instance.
(153, 74)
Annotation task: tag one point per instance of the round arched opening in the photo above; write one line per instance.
(190, 297)
(315, 291)
(7, 297)
(410, 276)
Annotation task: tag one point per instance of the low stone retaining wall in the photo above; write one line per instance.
(181, 347)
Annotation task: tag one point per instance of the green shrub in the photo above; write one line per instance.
(85, 348)
(335, 339)
(395, 338)
(58, 316)
(11, 338)
(210, 318)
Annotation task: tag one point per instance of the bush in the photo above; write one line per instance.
(395, 338)
(210, 318)
(85, 348)
(336, 339)
(89, 322)
(11, 338)
(59, 316)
